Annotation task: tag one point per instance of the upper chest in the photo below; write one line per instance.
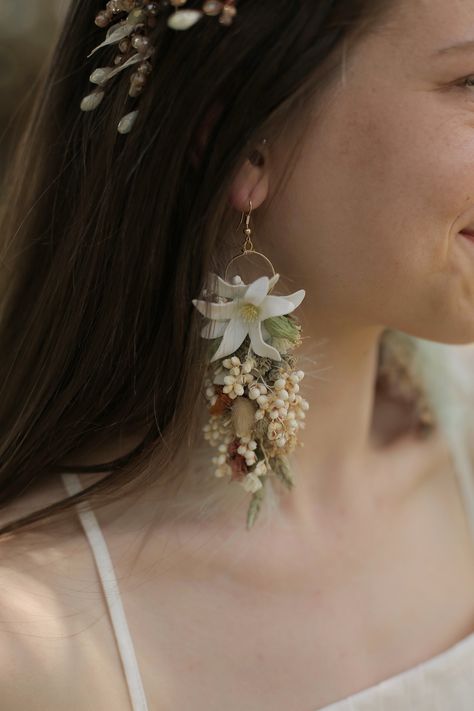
(331, 618)
(217, 626)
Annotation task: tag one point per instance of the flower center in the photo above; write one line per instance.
(249, 312)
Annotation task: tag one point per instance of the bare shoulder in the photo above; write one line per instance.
(53, 622)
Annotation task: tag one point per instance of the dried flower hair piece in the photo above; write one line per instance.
(131, 34)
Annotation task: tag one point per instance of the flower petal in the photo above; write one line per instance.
(234, 291)
(225, 288)
(272, 282)
(275, 306)
(114, 35)
(258, 344)
(233, 337)
(296, 297)
(102, 75)
(257, 291)
(213, 329)
(216, 312)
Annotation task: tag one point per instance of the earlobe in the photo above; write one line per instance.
(250, 183)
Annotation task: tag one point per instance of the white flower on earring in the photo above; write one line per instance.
(250, 305)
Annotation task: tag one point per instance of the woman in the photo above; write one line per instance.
(342, 132)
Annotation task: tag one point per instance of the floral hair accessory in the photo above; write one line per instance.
(131, 32)
(251, 383)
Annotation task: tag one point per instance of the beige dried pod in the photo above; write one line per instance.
(243, 416)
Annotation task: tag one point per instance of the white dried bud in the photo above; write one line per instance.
(92, 101)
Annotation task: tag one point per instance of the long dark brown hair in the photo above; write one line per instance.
(107, 238)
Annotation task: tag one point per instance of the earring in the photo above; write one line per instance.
(251, 383)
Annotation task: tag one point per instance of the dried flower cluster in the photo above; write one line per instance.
(402, 381)
(131, 32)
(255, 408)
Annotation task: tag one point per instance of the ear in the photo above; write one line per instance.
(252, 179)
(251, 182)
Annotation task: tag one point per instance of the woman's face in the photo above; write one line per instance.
(370, 219)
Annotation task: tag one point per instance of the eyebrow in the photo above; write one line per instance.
(454, 48)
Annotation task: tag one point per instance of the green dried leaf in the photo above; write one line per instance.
(281, 468)
(214, 344)
(282, 327)
(255, 505)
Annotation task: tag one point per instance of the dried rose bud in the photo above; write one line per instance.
(102, 19)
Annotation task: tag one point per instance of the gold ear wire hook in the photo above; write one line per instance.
(248, 245)
(247, 217)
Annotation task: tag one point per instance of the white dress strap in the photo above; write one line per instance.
(108, 579)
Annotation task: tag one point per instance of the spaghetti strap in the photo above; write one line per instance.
(111, 590)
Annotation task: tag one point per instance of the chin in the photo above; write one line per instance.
(462, 336)
(447, 329)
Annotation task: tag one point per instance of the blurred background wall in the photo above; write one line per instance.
(27, 30)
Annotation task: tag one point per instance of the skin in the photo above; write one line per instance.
(368, 224)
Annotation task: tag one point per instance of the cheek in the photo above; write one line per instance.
(392, 182)
(366, 220)
(362, 215)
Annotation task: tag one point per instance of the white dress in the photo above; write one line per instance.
(442, 683)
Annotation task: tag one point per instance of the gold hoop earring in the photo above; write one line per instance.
(247, 247)
(252, 384)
